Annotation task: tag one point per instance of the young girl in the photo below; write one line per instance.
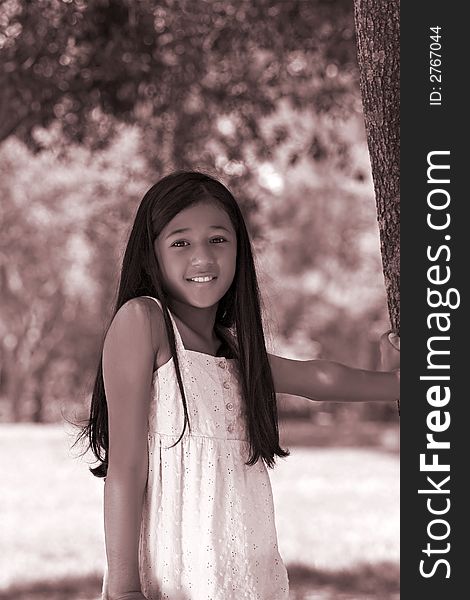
(183, 417)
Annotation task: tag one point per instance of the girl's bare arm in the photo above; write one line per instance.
(329, 380)
(128, 359)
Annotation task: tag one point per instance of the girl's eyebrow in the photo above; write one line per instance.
(185, 229)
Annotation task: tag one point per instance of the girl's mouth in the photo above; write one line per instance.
(202, 278)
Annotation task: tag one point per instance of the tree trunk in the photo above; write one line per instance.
(378, 48)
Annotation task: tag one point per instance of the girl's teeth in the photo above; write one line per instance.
(202, 279)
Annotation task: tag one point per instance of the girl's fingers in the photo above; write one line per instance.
(389, 351)
(394, 339)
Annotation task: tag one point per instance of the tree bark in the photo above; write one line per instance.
(378, 48)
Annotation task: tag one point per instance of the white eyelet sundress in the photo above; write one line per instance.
(208, 529)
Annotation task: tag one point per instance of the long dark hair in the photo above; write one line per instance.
(239, 311)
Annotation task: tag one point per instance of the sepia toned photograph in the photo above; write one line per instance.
(200, 300)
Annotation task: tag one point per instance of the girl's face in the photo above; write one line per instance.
(197, 252)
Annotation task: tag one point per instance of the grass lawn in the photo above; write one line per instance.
(336, 513)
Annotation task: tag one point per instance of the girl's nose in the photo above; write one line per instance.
(202, 256)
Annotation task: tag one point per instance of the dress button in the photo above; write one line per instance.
(222, 364)
(226, 385)
(230, 428)
(229, 406)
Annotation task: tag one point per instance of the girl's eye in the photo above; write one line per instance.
(182, 243)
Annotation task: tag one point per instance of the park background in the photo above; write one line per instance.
(98, 100)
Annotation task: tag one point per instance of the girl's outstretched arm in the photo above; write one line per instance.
(328, 380)
(128, 359)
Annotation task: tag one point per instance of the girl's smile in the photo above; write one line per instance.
(203, 279)
(197, 253)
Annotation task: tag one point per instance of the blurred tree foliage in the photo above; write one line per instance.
(59, 264)
(98, 99)
(147, 62)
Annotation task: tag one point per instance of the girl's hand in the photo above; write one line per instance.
(390, 351)
(130, 596)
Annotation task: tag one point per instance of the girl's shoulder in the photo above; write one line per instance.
(144, 314)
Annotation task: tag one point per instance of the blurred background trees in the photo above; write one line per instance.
(98, 99)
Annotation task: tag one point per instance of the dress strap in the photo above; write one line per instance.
(178, 339)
